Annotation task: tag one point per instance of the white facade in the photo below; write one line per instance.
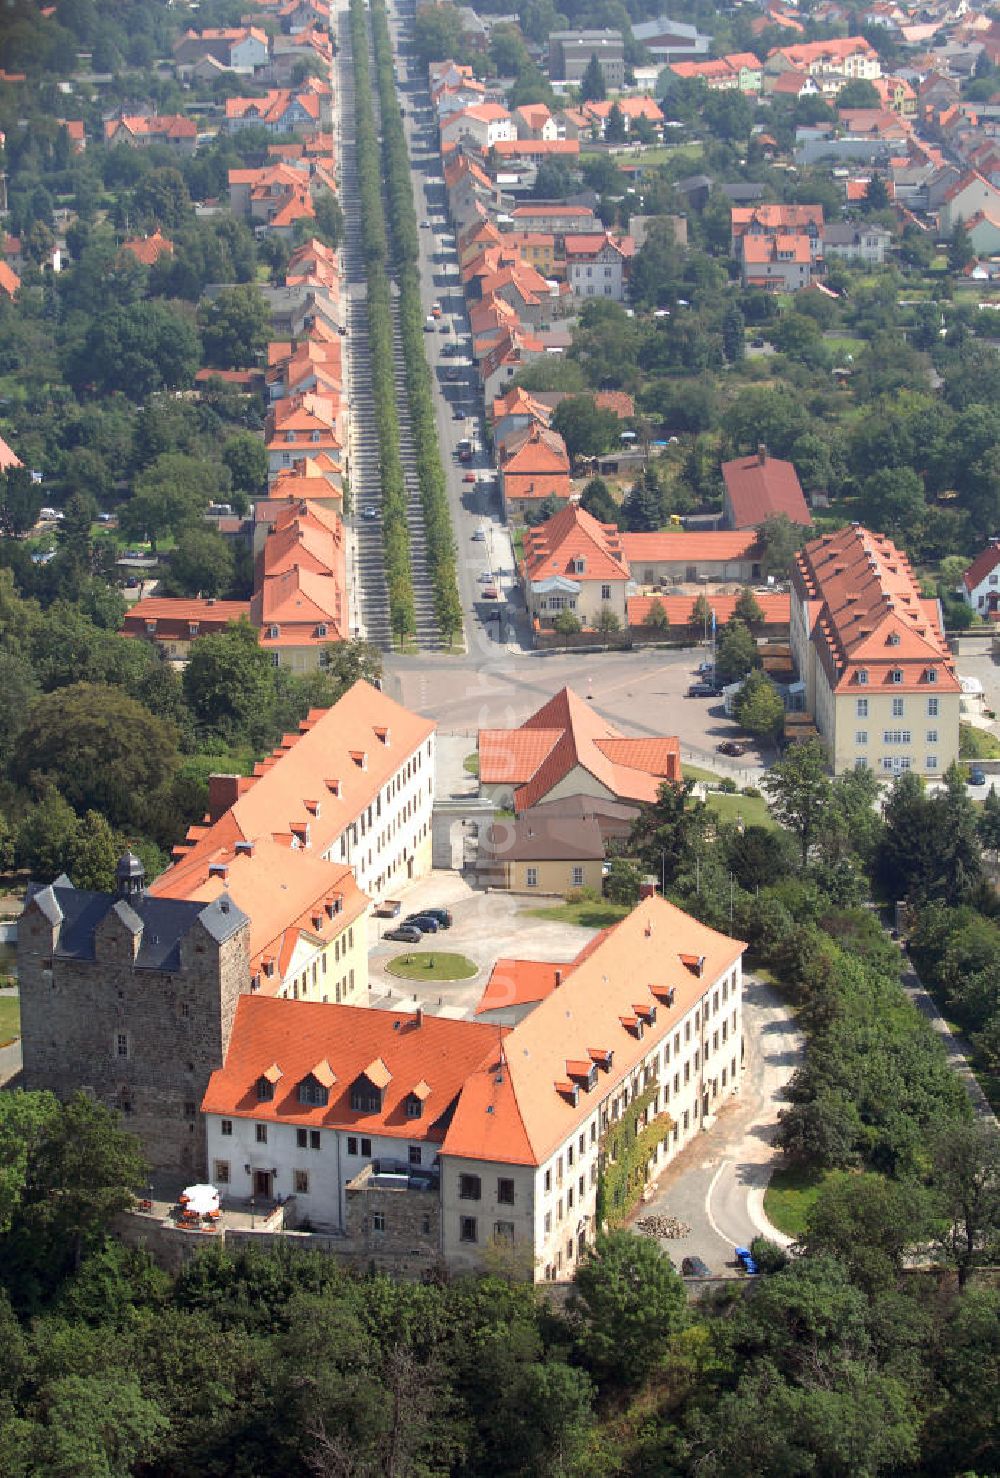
(697, 1061)
(313, 1165)
(389, 843)
(601, 276)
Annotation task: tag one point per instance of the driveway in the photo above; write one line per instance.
(716, 1185)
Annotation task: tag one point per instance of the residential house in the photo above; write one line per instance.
(279, 111)
(740, 71)
(8, 457)
(507, 354)
(570, 53)
(574, 563)
(170, 130)
(172, 623)
(542, 853)
(598, 267)
(850, 57)
(968, 196)
(242, 49)
(482, 124)
(632, 109)
(299, 605)
(856, 243)
(565, 749)
(10, 283)
(354, 785)
(534, 466)
(981, 581)
(781, 263)
(770, 221)
(514, 412)
(534, 121)
(302, 425)
(761, 487)
(684, 621)
(879, 678)
(983, 232)
(149, 249)
(553, 216)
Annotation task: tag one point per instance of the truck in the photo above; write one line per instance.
(388, 909)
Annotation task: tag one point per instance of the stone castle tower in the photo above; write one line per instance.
(131, 998)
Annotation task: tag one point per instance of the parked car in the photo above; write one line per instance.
(458, 414)
(404, 934)
(479, 537)
(370, 512)
(747, 1260)
(705, 669)
(444, 329)
(428, 328)
(422, 921)
(389, 908)
(694, 1267)
(732, 747)
(490, 592)
(701, 690)
(443, 916)
(977, 776)
(469, 477)
(425, 225)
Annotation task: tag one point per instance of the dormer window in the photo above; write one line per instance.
(274, 632)
(895, 676)
(893, 639)
(414, 1108)
(313, 1094)
(360, 758)
(862, 676)
(321, 629)
(368, 1088)
(583, 1073)
(932, 674)
(267, 1082)
(579, 565)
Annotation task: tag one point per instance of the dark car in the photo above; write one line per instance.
(747, 1260)
(404, 934)
(701, 690)
(977, 776)
(443, 916)
(422, 921)
(694, 1267)
(457, 414)
(731, 747)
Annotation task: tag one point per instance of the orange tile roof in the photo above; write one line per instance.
(9, 280)
(554, 547)
(536, 449)
(282, 891)
(775, 609)
(774, 218)
(433, 1054)
(148, 249)
(566, 733)
(760, 487)
(866, 614)
(984, 564)
(695, 548)
(536, 486)
(808, 52)
(615, 400)
(174, 616)
(316, 764)
(532, 148)
(519, 983)
(510, 1108)
(520, 402)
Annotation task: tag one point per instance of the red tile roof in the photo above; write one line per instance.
(519, 983)
(759, 487)
(665, 546)
(566, 733)
(984, 564)
(297, 1035)
(866, 615)
(775, 609)
(554, 547)
(510, 1108)
(8, 457)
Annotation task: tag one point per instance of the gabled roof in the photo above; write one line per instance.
(148, 249)
(573, 535)
(563, 734)
(433, 1053)
(761, 486)
(8, 457)
(519, 983)
(674, 546)
(536, 449)
(984, 564)
(511, 1108)
(316, 763)
(9, 280)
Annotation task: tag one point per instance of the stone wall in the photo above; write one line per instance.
(175, 1029)
(411, 1239)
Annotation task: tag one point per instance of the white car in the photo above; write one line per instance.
(479, 537)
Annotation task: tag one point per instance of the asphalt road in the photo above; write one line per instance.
(481, 535)
(716, 1186)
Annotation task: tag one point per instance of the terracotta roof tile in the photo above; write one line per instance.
(761, 486)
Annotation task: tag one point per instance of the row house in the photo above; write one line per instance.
(739, 71)
(300, 600)
(421, 1140)
(507, 354)
(280, 111)
(554, 216)
(850, 56)
(483, 125)
(301, 425)
(534, 465)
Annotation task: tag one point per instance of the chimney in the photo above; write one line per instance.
(761, 453)
(418, 1016)
(558, 978)
(223, 792)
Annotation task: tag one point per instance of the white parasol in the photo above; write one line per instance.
(201, 1199)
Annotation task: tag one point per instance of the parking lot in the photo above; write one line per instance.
(486, 926)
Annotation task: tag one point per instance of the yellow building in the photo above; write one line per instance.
(879, 678)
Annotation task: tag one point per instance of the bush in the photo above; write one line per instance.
(751, 792)
(728, 786)
(769, 1257)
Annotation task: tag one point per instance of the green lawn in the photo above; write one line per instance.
(432, 965)
(844, 345)
(753, 809)
(10, 1019)
(696, 773)
(789, 1197)
(589, 913)
(471, 763)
